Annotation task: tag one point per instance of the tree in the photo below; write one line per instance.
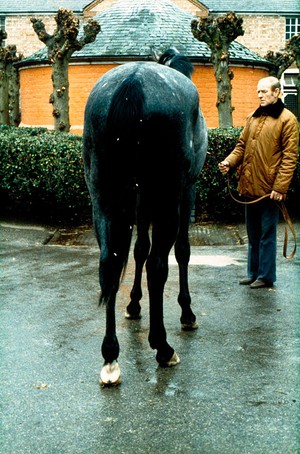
(218, 33)
(9, 84)
(61, 45)
(283, 60)
(4, 115)
(13, 85)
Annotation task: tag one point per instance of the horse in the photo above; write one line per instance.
(144, 145)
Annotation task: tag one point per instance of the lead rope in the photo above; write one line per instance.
(286, 217)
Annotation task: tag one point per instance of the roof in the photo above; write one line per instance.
(239, 6)
(40, 6)
(283, 7)
(131, 28)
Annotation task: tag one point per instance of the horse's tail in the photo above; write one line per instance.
(125, 116)
(122, 140)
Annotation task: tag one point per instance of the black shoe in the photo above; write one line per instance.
(261, 284)
(247, 281)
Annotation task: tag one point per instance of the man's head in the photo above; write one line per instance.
(268, 90)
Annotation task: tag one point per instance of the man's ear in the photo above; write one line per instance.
(277, 91)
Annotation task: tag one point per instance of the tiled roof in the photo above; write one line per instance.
(283, 7)
(40, 6)
(239, 6)
(130, 28)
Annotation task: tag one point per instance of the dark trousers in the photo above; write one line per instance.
(261, 223)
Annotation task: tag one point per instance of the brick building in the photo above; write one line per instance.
(260, 21)
(267, 24)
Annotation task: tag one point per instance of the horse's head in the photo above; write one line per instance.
(173, 58)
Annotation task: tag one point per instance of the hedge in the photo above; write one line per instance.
(41, 174)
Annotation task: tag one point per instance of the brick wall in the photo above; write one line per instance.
(244, 98)
(20, 32)
(263, 33)
(36, 88)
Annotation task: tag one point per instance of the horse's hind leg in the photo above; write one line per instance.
(182, 253)
(114, 241)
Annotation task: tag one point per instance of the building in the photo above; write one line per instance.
(129, 29)
(267, 24)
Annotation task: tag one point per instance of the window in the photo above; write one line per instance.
(2, 28)
(290, 96)
(2, 22)
(292, 27)
(291, 102)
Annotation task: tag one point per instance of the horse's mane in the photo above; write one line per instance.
(177, 61)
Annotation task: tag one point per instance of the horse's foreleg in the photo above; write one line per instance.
(141, 251)
(157, 274)
(182, 254)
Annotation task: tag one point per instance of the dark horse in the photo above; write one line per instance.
(145, 143)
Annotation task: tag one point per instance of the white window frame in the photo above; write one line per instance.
(292, 27)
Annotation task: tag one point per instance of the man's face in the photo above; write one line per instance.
(266, 94)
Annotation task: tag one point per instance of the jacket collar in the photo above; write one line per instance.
(272, 110)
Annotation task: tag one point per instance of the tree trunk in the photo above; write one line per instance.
(60, 96)
(13, 95)
(223, 77)
(4, 115)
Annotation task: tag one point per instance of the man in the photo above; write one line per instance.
(267, 151)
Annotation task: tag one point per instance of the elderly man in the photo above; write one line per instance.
(267, 152)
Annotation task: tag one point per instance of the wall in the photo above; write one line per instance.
(263, 33)
(36, 88)
(20, 32)
(244, 98)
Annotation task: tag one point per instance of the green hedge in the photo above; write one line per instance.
(41, 173)
(212, 199)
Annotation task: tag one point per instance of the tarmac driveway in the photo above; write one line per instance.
(236, 389)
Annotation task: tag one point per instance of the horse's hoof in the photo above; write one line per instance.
(110, 374)
(132, 316)
(189, 326)
(173, 361)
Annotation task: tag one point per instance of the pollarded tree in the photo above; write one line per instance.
(4, 114)
(13, 85)
(283, 60)
(218, 32)
(9, 83)
(61, 45)
(280, 61)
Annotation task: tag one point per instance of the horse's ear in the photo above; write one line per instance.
(155, 54)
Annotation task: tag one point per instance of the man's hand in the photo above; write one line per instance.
(276, 196)
(224, 167)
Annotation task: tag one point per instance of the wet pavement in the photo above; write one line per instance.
(236, 389)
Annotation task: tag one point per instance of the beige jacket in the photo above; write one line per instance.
(267, 151)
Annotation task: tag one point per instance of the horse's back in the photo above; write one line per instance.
(163, 148)
(166, 91)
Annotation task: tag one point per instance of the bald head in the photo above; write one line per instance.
(268, 90)
(273, 82)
